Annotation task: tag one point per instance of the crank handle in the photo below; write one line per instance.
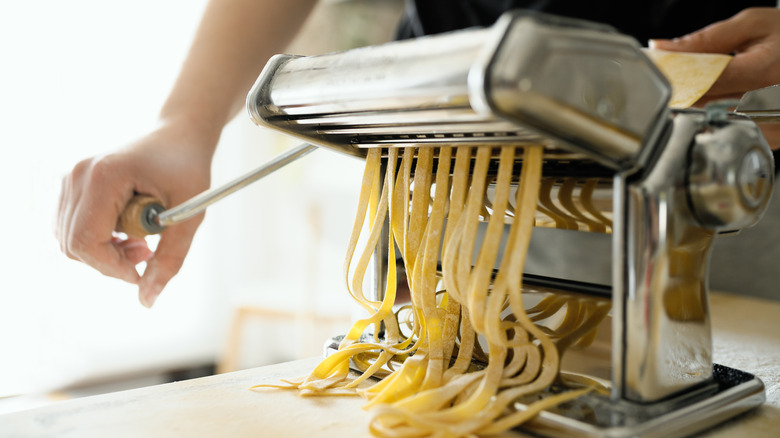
(145, 215)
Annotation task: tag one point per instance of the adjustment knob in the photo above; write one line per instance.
(731, 175)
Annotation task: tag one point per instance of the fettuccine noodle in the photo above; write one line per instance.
(433, 200)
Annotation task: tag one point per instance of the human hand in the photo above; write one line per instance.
(752, 36)
(167, 164)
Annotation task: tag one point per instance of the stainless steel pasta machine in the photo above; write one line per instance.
(674, 178)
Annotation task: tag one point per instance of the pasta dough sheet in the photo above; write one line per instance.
(691, 74)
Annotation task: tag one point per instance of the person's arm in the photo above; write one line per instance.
(232, 45)
(233, 42)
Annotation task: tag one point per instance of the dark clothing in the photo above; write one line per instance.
(641, 19)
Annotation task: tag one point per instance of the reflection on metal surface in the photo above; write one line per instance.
(659, 184)
(727, 394)
(762, 105)
(580, 326)
(510, 83)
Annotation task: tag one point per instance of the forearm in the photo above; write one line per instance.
(232, 44)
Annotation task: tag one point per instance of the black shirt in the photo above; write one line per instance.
(641, 19)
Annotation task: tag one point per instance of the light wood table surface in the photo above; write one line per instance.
(747, 337)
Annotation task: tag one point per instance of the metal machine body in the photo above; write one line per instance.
(599, 106)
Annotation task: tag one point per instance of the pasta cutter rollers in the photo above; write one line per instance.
(597, 104)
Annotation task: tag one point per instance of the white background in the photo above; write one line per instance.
(81, 78)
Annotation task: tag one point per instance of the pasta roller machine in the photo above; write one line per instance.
(669, 180)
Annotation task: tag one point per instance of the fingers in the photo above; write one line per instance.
(747, 71)
(168, 258)
(752, 36)
(722, 37)
(68, 199)
(135, 250)
(733, 35)
(92, 199)
(168, 164)
(87, 218)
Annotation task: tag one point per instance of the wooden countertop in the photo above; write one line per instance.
(746, 337)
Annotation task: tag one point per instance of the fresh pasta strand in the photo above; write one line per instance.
(566, 198)
(562, 220)
(586, 196)
(433, 200)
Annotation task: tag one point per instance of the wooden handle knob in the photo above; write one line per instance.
(138, 217)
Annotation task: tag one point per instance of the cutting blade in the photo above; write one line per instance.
(762, 105)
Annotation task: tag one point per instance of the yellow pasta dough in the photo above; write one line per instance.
(691, 74)
(433, 200)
